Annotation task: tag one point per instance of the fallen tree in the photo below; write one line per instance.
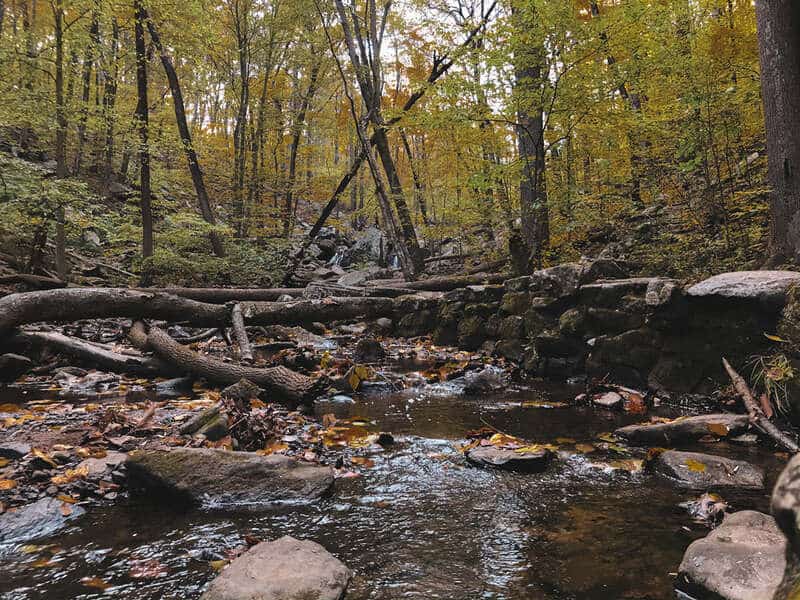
(224, 295)
(281, 382)
(442, 284)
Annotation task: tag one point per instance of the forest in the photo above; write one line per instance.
(433, 298)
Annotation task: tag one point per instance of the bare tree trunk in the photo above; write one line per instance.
(142, 119)
(186, 139)
(109, 101)
(779, 48)
(61, 109)
(86, 78)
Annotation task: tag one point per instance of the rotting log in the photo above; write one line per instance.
(282, 383)
(443, 284)
(756, 414)
(72, 304)
(225, 295)
(237, 320)
(93, 355)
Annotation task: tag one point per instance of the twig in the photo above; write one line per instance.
(756, 414)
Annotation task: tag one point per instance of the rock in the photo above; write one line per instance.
(12, 366)
(609, 400)
(489, 379)
(508, 459)
(356, 278)
(683, 429)
(742, 559)
(661, 292)
(317, 328)
(342, 399)
(696, 471)
(224, 479)
(241, 391)
(33, 521)
(285, 298)
(370, 246)
(786, 509)
(98, 466)
(368, 350)
(215, 429)
(609, 294)
(286, 569)
(174, 388)
(199, 420)
(384, 325)
(13, 450)
(768, 287)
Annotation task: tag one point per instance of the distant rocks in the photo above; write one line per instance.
(286, 569)
(742, 559)
(683, 429)
(38, 520)
(222, 479)
(697, 471)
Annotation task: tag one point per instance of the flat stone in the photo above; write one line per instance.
(697, 471)
(98, 466)
(14, 450)
(742, 559)
(33, 521)
(683, 429)
(286, 569)
(508, 459)
(769, 287)
(223, 479)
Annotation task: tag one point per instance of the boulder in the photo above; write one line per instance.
(697, 471)
(742, 559)
(220, 478)
(509, 459)
(683, 429)
(286, 569)
(12, 366)
(610, 400)
(38, 520)
(786, 509)
(488, 380)
(368, 350)
(767, 287)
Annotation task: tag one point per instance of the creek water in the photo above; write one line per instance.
(421, 523)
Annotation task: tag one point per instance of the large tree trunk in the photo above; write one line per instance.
(186, 138)
(779, 48)
(142, 119)
(61, 108)
(281, 382)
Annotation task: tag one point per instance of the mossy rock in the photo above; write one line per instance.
(471, 332)
(515, 303)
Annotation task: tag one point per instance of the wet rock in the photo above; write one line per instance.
(12, 366)
(33, 521)
(508, 459)
(215, 429)
(286, 569)
(697, 471)
(368, 350)
(610, 400)
(488, 380)
(13, 450)
(742, 559)
(683, 429)
(98, 466)
(224, 479)
(768, 287)
(194, 424)
(174, 388)
(342, 399)
(285, 298)
(384, 325)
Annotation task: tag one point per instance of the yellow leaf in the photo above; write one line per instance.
(43, 456)
(70, 476)
(354, 380)
(4, 462)
(535, 449)
(95, 582)
(584, 448)
(694, 465)
(719, 429)
(363, 461)
(7, 484)
(775, 338)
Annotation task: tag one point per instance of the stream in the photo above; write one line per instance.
(421, 523)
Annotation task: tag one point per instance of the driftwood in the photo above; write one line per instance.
(245, 351)
(93, 355)
(756, 414)
(281, 382)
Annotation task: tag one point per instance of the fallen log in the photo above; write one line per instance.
(326, 290)
(93, 355)
(756, 414)
(305, 312)
(38, 282)
(245, 351)
(443, 284)
(72, 304)
(283, 383)
(225, 295)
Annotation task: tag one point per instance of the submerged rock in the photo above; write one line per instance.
(509, 459)
(40, 519)
(490, 379)
(224, 479)
(696, 471)
(742, 559)
(286, 569)
(683, 429)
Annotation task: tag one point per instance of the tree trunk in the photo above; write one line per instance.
(86, 78)
(61, 109)
(186, 138)
(142, 119)
(109, 101)
(779, 48)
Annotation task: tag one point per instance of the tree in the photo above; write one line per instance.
(779, 49)
(142, 121)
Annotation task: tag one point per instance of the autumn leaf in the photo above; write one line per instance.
(775, 338)
(7, 484)
(718, 429)
(95, 582)
(362, 461)
(43, 456)
(695, 465)
(70, 475)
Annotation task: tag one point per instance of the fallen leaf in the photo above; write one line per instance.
(775, 338)
(66, 509)
(718, 429)
(362, 461)
(43, 456)
(695, 465)
(7, 484)
(70, 475)
(4, 462)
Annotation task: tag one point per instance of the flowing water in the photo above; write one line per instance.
(421, 523)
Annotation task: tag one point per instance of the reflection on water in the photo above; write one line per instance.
(420, 524)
